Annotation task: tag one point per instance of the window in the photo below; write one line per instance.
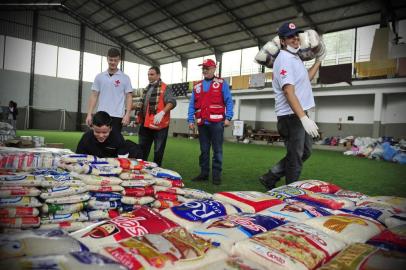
(131, 69)
(91, 66)
(194, 71)
(143, 76)
(231, 63)
(249, 66)
(68, 64)
(365, 38)
(104, 63)
(46, 59)
(1, 51)
(18, 54)
(340, 47)
(172, 72)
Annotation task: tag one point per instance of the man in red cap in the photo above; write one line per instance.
(293, 97)
(211, 106)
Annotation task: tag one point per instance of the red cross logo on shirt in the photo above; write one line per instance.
(116, 83)
(283, 72)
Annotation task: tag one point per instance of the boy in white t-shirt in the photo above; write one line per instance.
(294, 96)
(112, 88)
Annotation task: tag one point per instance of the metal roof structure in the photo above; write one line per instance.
(165, 31)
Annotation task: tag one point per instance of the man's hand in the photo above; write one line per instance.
(158, 117)
(191, 126)
(227, 123)
(310, 126)
(89, 120)
(126, 119)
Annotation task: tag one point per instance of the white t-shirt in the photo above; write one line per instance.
(289, 69)
(112, 91)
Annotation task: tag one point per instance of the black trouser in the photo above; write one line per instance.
(298, 145)
(148, 136)
(116, 123)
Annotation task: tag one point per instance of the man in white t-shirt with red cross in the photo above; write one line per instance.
(294, 96)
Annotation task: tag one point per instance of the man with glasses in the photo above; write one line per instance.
(211, 105)
(294, 96)
(112, 88)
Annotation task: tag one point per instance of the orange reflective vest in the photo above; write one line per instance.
(149, 117)
(209, 105)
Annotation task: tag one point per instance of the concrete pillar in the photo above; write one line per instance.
(378, 104)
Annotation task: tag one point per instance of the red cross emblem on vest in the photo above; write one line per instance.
(283, 72)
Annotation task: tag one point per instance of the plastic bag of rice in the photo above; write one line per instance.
(99, 180)
(391, 239)
(15, 191)
(57, 218)
(19, 211)
(164, 173)
(20, 201)
(62, 191)
(69, 199)
(19, 222)
(61, 209)
(21, 180)
(347, 228)
(396, 202)
(354, 196)
(325, 200)
(247, 201)
(192, 214)
(316, 186)
(37, 243)
(285, 192)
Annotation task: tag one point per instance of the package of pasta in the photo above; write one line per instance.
(347, 228)
(174, 249)
(69, 199)
(396, 202)
(289, 246)
(19, 222)
(99, 180)
(19, 201)
(192, 214)
(101, 169)
(354, 196)
(21, 180)
(247, 201)
(62, 191)
(38, 243)
(16, 191)
(164, 204)
(325, 200)
(61, 209)
(132, 175)
(285, 192)
(164, 173)
(137, 200)
(73, 260)
(19, 211)
(102, 214)
(168, 182)
(140, 221)
(95, 188)
(225, 231)
(67, 226)
(82, 158)
(316, 186)
(360, 256)
(57, 218)
(139, 191)
(173, 190)
(137, 183)
(391, 239)
(295, 211)
(103, 205)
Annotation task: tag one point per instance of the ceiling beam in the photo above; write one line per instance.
(122, 12)
(101, 31)
(197, 38)
(237, 20)
(303, 13)
(156, 40)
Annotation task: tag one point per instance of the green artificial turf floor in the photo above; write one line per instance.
(244, 163)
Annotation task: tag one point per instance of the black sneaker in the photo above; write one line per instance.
(267, 181)
(200, 177)
(216, 180)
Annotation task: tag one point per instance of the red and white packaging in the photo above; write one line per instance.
(163, 204)
(98, 180)
(169, 183)
(247, 201)
(19, 212)
(161, 195)
(325, 200)
(141, 221)
(137, 183)
(95, 188)
(137, 200)
(20, 222)
(138, 191)
(13, 191)
(316, 186)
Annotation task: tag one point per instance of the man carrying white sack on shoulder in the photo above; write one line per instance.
(294, 96)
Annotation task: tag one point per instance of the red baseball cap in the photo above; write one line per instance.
(208, 63)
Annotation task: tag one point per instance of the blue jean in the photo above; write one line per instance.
(147, 136)
(211, 134)
(298, 149)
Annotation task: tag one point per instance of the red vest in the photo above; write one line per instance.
(209, 105)
(149, 117)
